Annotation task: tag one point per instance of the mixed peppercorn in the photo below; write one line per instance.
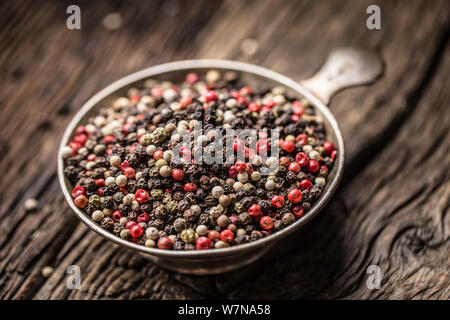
(122, 165)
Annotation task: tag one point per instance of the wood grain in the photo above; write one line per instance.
(391, 210)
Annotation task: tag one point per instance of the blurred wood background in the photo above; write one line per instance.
(392, 209)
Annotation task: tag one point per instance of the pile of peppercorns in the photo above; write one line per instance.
(121, 163)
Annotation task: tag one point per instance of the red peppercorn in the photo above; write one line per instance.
(135, 98)
(75, 147)
(190, 187)
(245, 91)
(130, 224)
(177, 174)
(165, 243)
(136, 231)
(80, 138)
(277, 201)
(214, 235)
(298, 211)
(233, 219)
(262, 146)
(132, 148)
(81, 130)
(324, 168)
(227, 236)
(233, 172)
(124, 190)
(192, 78)
(116, 215)
(302, 139)
(294, 118)
(91, 157)
(305, 184)
(294, 167)
(254, 107)
(266, 223)
(313, 166)
(158, 154)
(210, 96)
(333, 154)
(242, 100)
(185, 101)
(284, 161)
(156, 91)
(108, 139)
(238, 144)
(240, 166)
(203, 243)
(295, 196)
(254, 210)
(129, 172)
(288, 146)
(77, 191)
(143, 217)
(297, 108)
(80, 201)
(328, 147)
(249, 168)
(124, 165)
(126, 126)
(302, 159)
(141, 196)
(100, 182)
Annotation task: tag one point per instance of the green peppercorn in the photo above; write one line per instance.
(188, 235)
(160, 163)
(99, 149)
(95, 200)
(245, 218)
(153, 172)
(146, 139)
(179, 224)
(214, 212)
(238, 207)
(250, 188)
(172, 206)
(157, 194)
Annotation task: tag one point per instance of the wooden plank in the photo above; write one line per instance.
(50, 71)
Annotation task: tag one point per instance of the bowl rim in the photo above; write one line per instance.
(191, 65)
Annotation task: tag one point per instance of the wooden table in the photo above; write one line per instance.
(392, 209)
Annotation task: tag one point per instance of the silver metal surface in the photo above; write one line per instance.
(344, 68)
(212, 261)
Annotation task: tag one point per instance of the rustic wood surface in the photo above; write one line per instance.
(392, 209)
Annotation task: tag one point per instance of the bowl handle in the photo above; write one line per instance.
(344, 67)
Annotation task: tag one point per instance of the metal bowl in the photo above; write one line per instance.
(344, 67)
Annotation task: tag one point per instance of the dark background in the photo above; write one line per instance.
(391, 209)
